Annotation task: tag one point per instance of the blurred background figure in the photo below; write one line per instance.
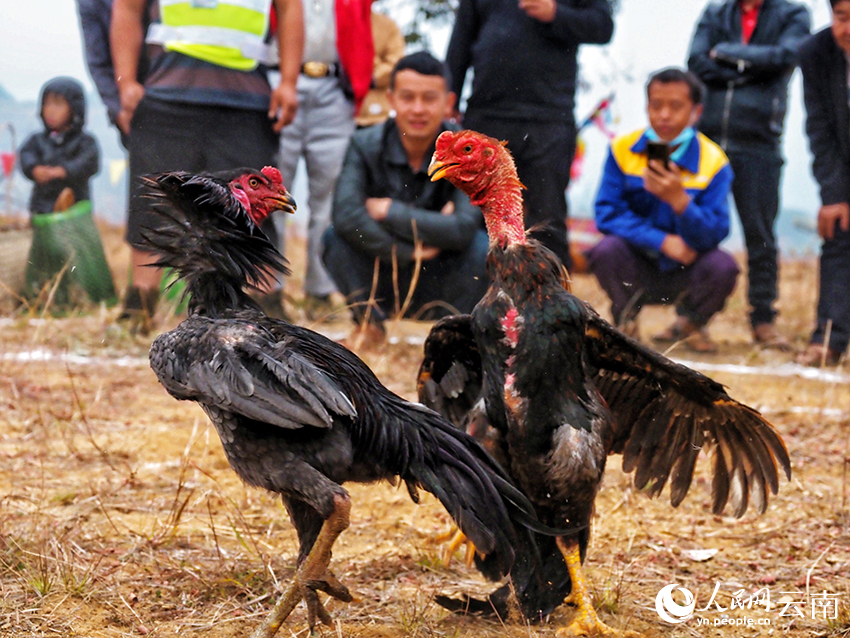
(95, 19)
(61, 160)
(205, 103)
(744, 51)
(823, 61)
(62, 156)
(387, 213)
(664, 215)
(524, 57)
(335, 75)
(389, 49)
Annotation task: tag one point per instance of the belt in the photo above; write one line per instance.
(313, 69)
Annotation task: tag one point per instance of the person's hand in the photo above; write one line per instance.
(378, 207)
(829, 215)
(283, 105)
(41, 174)
(424, 253)
(543, 10)
(130, 93)
(676, 249)
(448, 209)
(666, 185)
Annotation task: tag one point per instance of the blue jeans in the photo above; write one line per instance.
(834, 292)
(633, 280)
(756, 192)
(451, 283)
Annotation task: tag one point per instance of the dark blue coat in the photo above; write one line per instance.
(74, 150)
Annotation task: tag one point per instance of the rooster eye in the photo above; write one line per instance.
(467, 148)
(253, 182)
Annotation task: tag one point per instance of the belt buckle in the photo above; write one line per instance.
(314, 69)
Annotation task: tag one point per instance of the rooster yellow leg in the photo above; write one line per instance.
(457, 539)
(311, 575)
(586, 623)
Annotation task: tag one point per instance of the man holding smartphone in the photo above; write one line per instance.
(662, 206)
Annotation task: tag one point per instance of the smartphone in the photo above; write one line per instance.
(658, 151)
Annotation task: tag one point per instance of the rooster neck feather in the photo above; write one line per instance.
(205, 234)
(501, 205)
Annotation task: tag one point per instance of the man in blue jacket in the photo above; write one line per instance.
(663, 221)
(744, 51)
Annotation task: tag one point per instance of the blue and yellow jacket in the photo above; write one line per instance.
(625, 209)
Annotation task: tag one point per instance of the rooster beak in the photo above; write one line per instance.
(286, 203)
(437, 169)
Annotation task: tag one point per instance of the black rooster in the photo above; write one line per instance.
(563, 389)
(297, 413)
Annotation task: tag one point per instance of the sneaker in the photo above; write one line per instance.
(817, 355)
(695, 338)
(767, 336)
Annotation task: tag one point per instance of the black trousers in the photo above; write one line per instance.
(543, 152)
(451, 283)
(833, 297)
(173, 136)
(756, 192)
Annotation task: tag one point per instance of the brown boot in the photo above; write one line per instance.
(767, 336)
(817, 355)
(694, 337)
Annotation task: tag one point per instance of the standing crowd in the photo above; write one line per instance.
(326, 85)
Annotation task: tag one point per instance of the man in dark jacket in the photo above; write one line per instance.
(63, 155)
(524, 58)
(823, 61)
(387, 210)
(745, 51)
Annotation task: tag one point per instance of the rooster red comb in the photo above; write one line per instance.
(273, 174)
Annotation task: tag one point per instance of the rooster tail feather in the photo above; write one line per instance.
(477, 494)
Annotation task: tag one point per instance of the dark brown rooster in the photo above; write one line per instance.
(563, 389)
(298, 414)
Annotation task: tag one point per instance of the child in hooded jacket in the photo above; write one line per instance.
(63, 155)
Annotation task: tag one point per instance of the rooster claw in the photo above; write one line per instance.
(329, 584)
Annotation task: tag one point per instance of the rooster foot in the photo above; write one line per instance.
(313, 576)
(329, 584)
(590, 625)
(457, 539)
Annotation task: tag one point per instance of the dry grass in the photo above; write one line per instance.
(120, 516)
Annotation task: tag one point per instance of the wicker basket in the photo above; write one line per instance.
(14, 248)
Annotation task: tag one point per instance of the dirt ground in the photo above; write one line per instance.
(119, 515)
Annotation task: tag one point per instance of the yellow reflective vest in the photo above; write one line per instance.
(229, 33)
